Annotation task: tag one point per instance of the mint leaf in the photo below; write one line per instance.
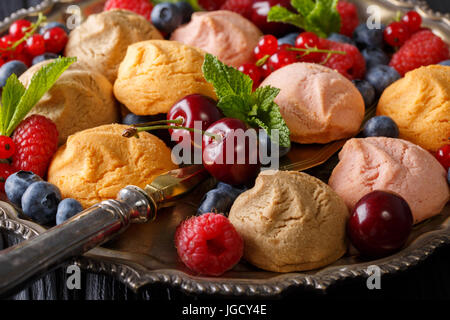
(234, 107)
(281, 14)
(12, 92)
(304, 7)
(40, 83)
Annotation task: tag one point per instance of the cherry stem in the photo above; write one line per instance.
(40, 20)
(311, 50)
(151, 123)
(133, 131)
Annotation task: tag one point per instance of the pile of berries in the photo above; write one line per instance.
(38, 199)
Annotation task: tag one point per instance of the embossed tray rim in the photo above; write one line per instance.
(135, 276)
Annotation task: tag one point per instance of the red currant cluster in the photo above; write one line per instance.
(23, 43)
(398, 32)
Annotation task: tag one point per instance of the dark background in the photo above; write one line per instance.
(431, 279)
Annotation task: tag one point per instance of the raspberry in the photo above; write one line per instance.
(210, 5)
(243, 7)
(349, 17)
(351, 65)
(208, 244)
(142, 7)
(36, 140)
(422, 49)
(5, 171)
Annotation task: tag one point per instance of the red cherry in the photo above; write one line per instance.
(281, 59)
(35, 45)
(258, 15)
(267, 45)
(19, 28)
(253, 72)
(194, 107)
(396, 34)
(7, 147)
(309, 40)
(380, 223)
(55, 39)
(412, 20)
(443, 156)
(230, 169)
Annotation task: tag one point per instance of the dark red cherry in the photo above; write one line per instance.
(194, 107)
(380, 224)
(443, 156)
(231, 158)
(258, 16)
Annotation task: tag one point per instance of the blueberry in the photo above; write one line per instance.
(365, 37)
(2, 245)
(374, 56)
(219, 199)
(17, 184)
(43, 57)
(15, 66)
(448, 176)
(186, 11)
(67, 209)
(381, 76)
(288, 39)
(380, 126)
(367, 91)
(445, 63)
(166, 17)
(132, 118)
(265, 143)
(40, 202)
(52, 25)
(337, 37)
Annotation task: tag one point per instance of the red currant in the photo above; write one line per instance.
(396, 34)
(55, 40)
(19, 28)
(309, 40)
(7, 147)
(443, 156)
(412, 20)
(253, 72)
(267, 45)
(281, 59)
(265, 70)
(25, 58)
(35, 45)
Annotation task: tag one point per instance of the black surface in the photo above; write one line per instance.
(431, 279)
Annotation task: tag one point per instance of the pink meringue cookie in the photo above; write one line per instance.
(225, 34)
(395, 165)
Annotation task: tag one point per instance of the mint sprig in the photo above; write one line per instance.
(17, 101)
(318, 16)
(236, 99)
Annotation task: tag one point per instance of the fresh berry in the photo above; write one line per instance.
(267, 45)
(6, 42)
(443, 155)
(337, 37)
(374, 56)
(380, 224)
(67, 208)
(44, 57)
(239, 167)
(367, 91)
(265, 144)
(52, 25)
(243, 7)
(445, 63)
(132, 118)
(142, 7)
(190, 109)
(40, 202)
(350, 65)
(422, 49)
(55, 40)
(412, 20)
(365, 37)
(166, 17)
(260, 9)
(6, 170)
(281, 58)
(253, 72)
(208, 244)
(16, 67)
(25, 58)
(219, 199)
(288, 39)
(211, 5)
(265, 70)
(7, 147)
(35, 45)
(36, 140)
(186, 10)
(17, 184)
(448, 176)
(18, 28)
(349, 17)
(396, 34)
(381, 77)
(380, 126)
